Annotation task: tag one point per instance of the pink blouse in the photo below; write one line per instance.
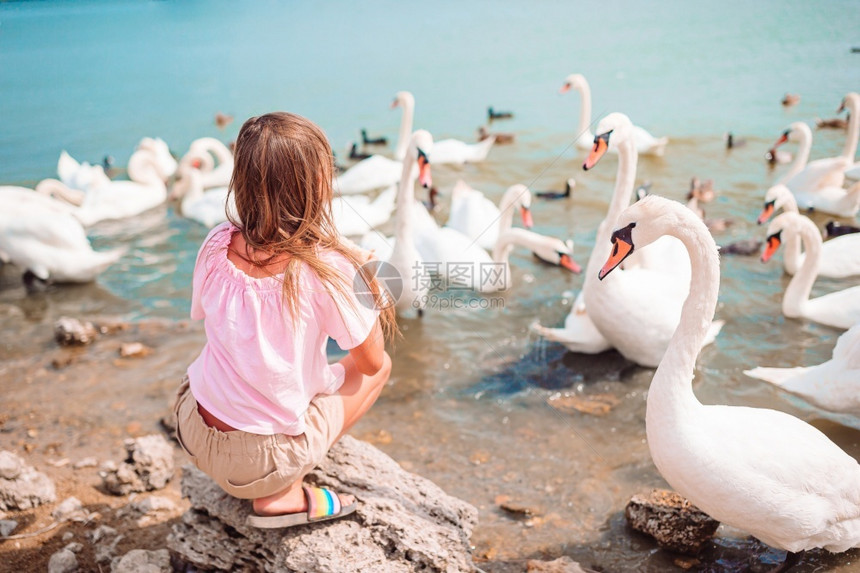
(258, 371)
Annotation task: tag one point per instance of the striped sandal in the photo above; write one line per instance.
(323, 504)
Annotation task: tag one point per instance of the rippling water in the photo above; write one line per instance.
(468, 403)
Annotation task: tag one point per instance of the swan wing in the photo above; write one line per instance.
(768, 473)
(828, 172)
(840, 257)
(368, 174)
(579, 333)
(840, 309)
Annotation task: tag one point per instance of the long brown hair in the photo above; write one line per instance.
(282, 186)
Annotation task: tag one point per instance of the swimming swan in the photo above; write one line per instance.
(646, 144)
(839, 309)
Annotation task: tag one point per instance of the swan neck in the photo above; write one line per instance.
(798, 289)
(405, 201)
(802, 158)
(850, 147)
(142, 168)
(585, 109)
(506, 208)
(405, 130)
(624, 180)
(59, 190)
(671, 393)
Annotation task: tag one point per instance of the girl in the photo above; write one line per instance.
(261, 406)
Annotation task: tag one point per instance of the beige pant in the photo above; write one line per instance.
(251, 466)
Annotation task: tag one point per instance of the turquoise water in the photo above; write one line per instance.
(467, 406)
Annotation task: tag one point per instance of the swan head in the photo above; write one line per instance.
(420, 150)
(777, 197)
(644, 222)
(774, 239)
(403, 99)
(573, 82)
(851, 102)
(615, 125)
(165, 163)
(520, 196)
(797, 132)
(561, 253)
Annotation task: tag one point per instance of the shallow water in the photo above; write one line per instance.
(469, 402)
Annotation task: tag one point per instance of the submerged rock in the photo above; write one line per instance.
(673, 521)
(149, 466)
(21, 486)
(73, 332)
(403, 523)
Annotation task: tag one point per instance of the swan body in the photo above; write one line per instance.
(839, 309)
(758, 470)
(208, 207)
(645, 143)
(50, 244)
(148, 171)
(423, 228)
(76, 175)
(474, 215)
(636, 311)
(357, 214)
(840, 256)
(454, 151)
(378, 171)
(833, 385)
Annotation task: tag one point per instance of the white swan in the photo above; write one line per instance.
(216, 161)
(840, 256)
(444, 150)
(81, 176)
(829, 172)
(480, 219)
(378, 171)
(357, 214)
(833, 385)
(498, 276)
(148, 170)
(758, 470)
(638, 299)
(839, 309)
(208, 207)
(50, 245)
(646, 144)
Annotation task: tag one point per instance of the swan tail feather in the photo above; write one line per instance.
(713, 331)
(659, 148)
(570, 340)
(776, 376)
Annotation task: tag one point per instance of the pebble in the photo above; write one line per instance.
(72, 332)
(134, 350)
(63, 561)
(7, 526)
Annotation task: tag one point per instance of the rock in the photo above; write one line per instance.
(7, 526)
(105, 540)
(149, 466)
(142, 561)
(561, 565)
(673, 521)
(89, 462)
(134, 350)
(403, 523)
(74, 547)
(73, 332)
(70, 509)
(147, 509)
(594, 404)
(21, 486)
(63, 561)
